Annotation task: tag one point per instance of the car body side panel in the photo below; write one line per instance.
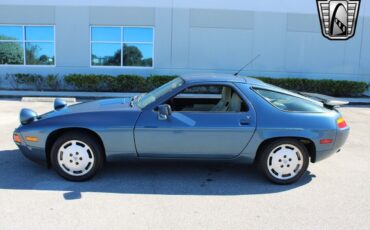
(341, 137)
(115, 128)
(209, 135)
(192, 135)
(273, 123)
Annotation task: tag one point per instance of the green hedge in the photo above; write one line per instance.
(121, 83)
(128, 83)
(325, 86)
(34, 81)
(89, 82)
(134, 83)
(155, 81)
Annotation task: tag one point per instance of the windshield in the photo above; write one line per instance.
(152, 96)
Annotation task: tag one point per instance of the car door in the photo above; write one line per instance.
(194, 134)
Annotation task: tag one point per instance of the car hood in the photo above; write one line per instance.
(92, 106)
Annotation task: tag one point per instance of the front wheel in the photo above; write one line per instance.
(77, 156)
(284, 161)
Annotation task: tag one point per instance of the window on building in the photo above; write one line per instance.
(122, 46)
(27, 45)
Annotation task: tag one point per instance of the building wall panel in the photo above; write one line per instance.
(27, 15)
(133, 16)
(72, 36)
(220, 49)
(221, 19)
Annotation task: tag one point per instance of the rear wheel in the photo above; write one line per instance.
(77, 156)
(284, 161)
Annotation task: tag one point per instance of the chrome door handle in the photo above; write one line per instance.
(245, 121)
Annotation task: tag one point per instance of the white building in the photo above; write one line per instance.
(176, 36)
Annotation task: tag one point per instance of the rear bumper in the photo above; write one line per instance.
(341, 137)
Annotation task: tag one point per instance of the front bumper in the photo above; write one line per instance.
(33, 153)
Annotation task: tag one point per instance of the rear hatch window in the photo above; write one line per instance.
(288, 102)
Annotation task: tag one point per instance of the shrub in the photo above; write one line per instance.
(134, 83)
(128, 83)
(325, 86)
(53, 82)
(155, 81)
(34, 81)
(90, 82)
(121, 83)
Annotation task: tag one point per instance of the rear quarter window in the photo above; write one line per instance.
(288, 102)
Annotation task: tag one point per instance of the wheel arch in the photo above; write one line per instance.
(308, 143)
(53, 136)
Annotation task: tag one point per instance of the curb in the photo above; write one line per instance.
(357, 101)
(47, 99)
(63, 94)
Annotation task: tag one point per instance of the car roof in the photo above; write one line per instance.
(219, 77)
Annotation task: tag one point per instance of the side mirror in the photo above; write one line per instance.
(164, 111)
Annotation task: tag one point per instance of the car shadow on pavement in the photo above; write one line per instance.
(147, 177)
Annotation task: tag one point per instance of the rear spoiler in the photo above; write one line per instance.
(329, 102)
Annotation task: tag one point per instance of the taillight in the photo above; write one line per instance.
(326, 141)
(341, 123)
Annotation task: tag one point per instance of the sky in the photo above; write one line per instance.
(32, 33)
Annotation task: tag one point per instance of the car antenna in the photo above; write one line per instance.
(250, 62)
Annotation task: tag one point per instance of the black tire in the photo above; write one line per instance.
(95, 155)
(266, 160)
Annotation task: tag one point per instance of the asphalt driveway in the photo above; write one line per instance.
(334, 194)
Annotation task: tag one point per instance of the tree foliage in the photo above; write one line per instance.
(132, 56)
(10, 52)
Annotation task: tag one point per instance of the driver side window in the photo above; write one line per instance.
(208, 98)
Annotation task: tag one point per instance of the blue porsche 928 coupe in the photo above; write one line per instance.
(205, 116)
